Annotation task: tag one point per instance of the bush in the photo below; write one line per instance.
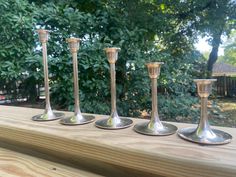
(99, 25)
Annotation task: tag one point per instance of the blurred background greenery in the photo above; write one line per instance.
(145, 30)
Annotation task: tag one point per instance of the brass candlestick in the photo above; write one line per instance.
(154, 126)
(114, 121)
(203, 134)
(77, 118)
(48, 113)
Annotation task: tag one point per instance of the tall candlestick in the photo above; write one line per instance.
(48, 113)
(203, 134)
(77, 118)
(154, 126)
(114, 121)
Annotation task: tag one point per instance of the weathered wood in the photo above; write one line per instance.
(166, 156)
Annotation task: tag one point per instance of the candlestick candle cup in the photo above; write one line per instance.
(77, 118)
(203, 134)
(114, 121)
(48, 113)
(154, 126)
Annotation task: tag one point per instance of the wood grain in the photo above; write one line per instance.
(15, 164)
(166, 156)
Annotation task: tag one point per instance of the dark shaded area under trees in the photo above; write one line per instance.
(144, 30)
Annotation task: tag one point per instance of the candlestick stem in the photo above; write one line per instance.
(48, 113)
(203, 134)
(46, 83)
(114, 121)
(154, 126)
(113, 88)
(77, 118)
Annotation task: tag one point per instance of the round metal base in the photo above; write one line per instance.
(110, 123)
(212, 137)
(144, 128)
(74, 120)
(47, 117)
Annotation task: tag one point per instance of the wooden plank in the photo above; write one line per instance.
(41, 164)
(166, 156)
(15, 164)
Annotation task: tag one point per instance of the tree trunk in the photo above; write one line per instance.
(214, 52)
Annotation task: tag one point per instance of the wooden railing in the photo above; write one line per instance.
(115, 152)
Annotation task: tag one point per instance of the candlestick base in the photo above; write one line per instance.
(49, 116)
(77, 120)
(146, 129)
(114, 123)
(210, 136)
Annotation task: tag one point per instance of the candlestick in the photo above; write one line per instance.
(114, 121)
(77, 118)
(203, 134)
(48, 113)
(154, 126)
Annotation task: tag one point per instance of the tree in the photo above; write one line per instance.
(16, 44)
(211, 18)
(144, 30)
(230, 49)
(217, 19)
(223, 14)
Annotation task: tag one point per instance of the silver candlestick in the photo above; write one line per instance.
(203, 134)
(77, 118)
(48, 113)
(114, 121)
(154, 126)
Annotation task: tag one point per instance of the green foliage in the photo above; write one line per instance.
(171, 107)
(210, 19)
(16, 44)
(144, 30)
(230, 49)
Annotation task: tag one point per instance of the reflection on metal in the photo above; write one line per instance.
(77, 118)
(48, 113)
(203, 134)
(114, 121)
(154, 126)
